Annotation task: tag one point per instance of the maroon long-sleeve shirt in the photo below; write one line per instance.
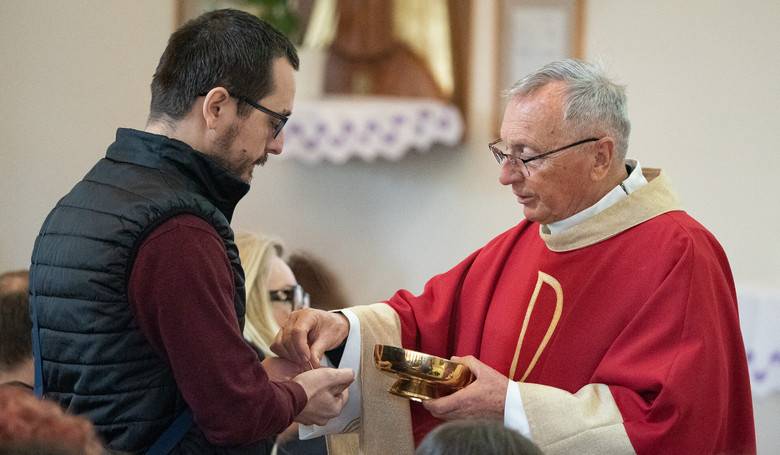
(181, 290)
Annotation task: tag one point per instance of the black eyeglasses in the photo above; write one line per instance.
(519, 163)
(295, 296)
(282, 119)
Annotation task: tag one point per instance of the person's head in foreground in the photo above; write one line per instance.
(476, 437)
(32, 426)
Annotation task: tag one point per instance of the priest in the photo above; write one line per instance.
(604, 322)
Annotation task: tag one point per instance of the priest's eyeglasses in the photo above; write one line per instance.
(279, 119)
(294, 296)
(499, 150)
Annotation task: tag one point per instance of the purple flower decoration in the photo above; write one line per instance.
(295, 129)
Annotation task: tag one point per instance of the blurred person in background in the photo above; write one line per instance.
(272, 293)
(319, 280)
(16, 358)
(476, 437)
(264, 271)
(29, 426)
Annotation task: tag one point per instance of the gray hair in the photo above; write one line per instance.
(476, 437)
(591, 98)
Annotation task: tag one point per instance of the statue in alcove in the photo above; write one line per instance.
(367, 58)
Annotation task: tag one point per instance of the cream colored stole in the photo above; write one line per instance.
(386, 422)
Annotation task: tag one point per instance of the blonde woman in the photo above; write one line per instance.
(271, 290)
(272, 293)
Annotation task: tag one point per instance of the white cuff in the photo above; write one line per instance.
(514, 412)
(349, 418)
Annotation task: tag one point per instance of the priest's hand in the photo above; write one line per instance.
(308, 333)
(483, 398)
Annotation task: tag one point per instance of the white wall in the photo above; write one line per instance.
(702, 81)
(70, 73)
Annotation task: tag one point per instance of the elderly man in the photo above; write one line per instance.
(605, 322)
(137, 290)
(16, 360)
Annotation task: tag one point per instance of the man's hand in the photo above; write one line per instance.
(326, 389)
(483, 398)
(308, 333)
(281, 369)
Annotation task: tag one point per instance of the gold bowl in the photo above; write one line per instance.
(421, 376)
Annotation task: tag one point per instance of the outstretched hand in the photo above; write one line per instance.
(327, 393)
(483, 398)
(308, 333)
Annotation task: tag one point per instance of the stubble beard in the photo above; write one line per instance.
(222, 156)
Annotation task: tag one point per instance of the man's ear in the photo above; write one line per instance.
(215, 107)
(603, 158)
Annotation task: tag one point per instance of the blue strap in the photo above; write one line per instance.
(173, 435)
(36, 345)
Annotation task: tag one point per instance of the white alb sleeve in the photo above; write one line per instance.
(349, 418)
(514, 412)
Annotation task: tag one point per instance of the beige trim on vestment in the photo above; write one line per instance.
(386, 425)
(587, 422)
(643, 204)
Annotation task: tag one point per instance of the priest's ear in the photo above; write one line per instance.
(604, 158)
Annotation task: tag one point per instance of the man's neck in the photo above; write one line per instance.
(24, 373)
(181, 130)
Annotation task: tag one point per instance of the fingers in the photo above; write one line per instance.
(278, 345)
(443, 408)
(327, 392)
(472, 362)
(341, 379)
(336, 404)
(299, 340)
(291, 341)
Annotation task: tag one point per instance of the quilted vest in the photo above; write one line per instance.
(95, 361)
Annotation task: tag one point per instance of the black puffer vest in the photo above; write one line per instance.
(95, 361)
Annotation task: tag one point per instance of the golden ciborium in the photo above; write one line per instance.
(421, 376)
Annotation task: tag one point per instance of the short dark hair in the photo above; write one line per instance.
(222, 48)
(476, 437)
(15, 325)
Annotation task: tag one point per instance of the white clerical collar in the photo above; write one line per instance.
(633, 182)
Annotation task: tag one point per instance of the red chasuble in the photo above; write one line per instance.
(650, 312)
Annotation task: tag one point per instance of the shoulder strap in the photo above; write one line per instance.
(36, 345)
(173, 435)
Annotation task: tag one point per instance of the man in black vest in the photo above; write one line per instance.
(137, 291)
